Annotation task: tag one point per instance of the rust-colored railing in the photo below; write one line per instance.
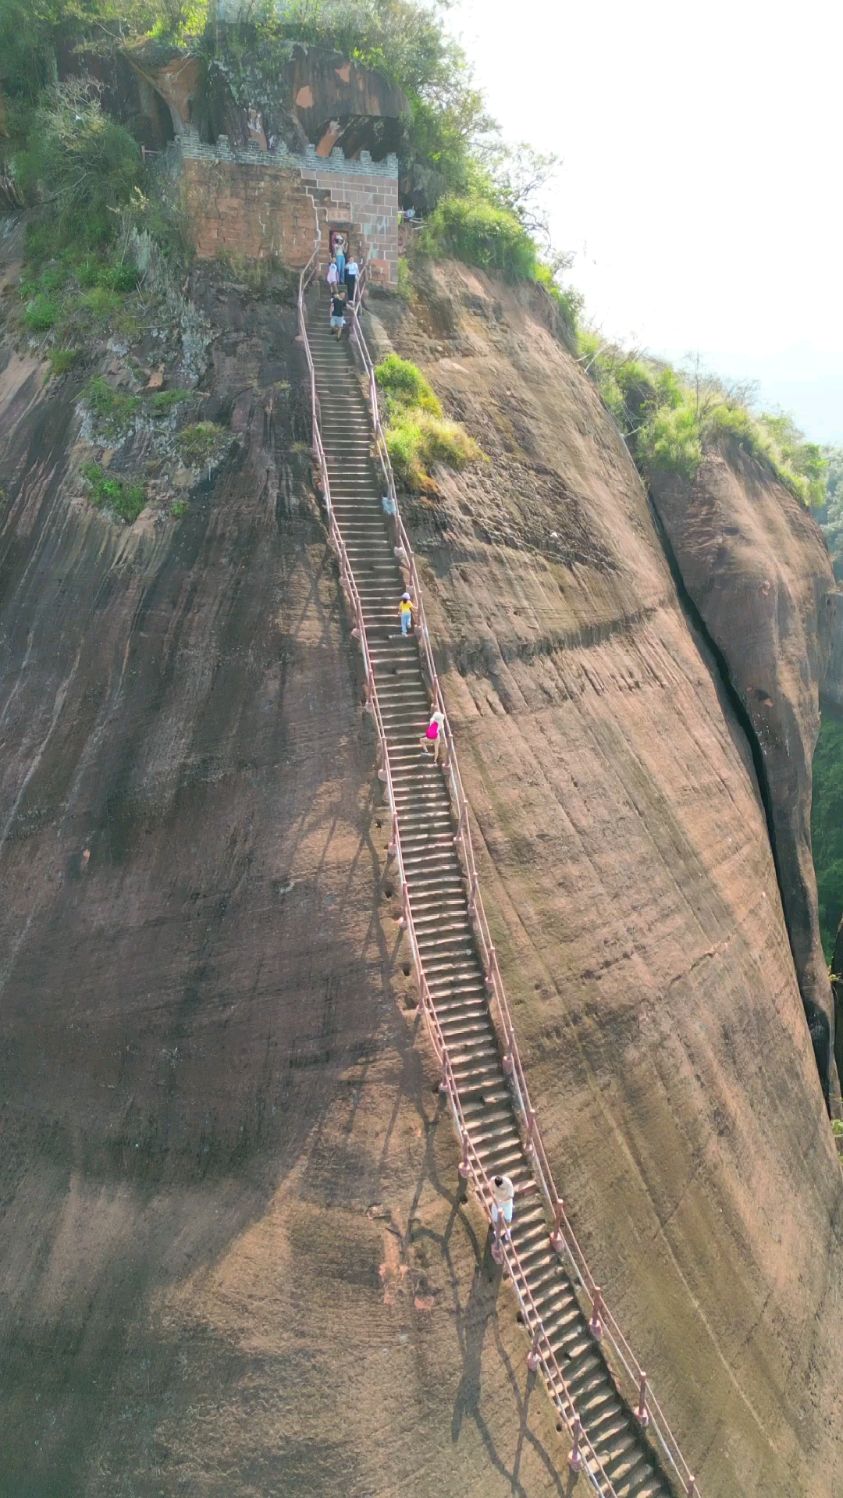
(602, 1323)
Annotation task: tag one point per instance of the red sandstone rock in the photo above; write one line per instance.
(632, 890)
(208, 1072)
(757, 568)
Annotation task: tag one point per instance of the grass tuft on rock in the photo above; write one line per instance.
(417, 433)
(121, 497)
(201, 443)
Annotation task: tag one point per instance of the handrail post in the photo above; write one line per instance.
(642, 1414)
(595, 1325)
(575, 1459)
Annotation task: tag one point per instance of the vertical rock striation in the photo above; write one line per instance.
(756, 567)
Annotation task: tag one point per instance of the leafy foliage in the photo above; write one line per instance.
(80, 166)
(404, 385)
(114, 409)
(481, 233)
(63, 359)
(831, 519)
(121, 497)
(671, 419)
(201, 443)
(417, 433)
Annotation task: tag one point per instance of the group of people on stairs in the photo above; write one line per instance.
(342, 285)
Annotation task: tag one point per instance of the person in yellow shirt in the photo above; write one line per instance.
(405, 609)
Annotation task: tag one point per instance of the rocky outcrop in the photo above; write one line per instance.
(832, 684)
(756, 566)
(263, 90)
(634, 895)
(173, 75)
(234, 1257)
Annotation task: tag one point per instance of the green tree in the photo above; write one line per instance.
(80, 168)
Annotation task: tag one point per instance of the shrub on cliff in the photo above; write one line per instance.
(416, 440)
(670, 442)
(417, 433)
(404, 384)
(80, 167)
(121, 497)
(827, 826)
(475, 230)
(670, 419)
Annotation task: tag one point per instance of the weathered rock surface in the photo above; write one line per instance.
(233, 1260)
(757, 568)
(832, 684)
(233, 1263)
(633, 891)
(259, 90)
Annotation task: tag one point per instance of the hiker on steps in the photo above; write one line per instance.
(352, 271)
(434, 734)
(503, 1194)
(405, 610)
(337, 313)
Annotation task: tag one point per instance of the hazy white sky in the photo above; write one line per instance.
(701, 174)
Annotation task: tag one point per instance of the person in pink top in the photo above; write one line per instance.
(333, 276)
(434, 735)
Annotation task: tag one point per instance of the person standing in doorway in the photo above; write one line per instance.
(352, 271)
(339, 256)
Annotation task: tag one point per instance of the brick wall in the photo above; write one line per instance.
(255, 204)
(248, 211)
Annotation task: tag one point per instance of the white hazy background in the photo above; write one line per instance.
(701, 175)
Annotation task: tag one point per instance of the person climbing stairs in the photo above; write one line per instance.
(619, 1461)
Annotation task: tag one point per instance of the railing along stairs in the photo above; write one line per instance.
(631, 1379)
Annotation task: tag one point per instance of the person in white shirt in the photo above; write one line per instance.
(333, 276)
(352, 271)
(503, 1192)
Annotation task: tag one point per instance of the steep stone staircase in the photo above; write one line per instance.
(439, 905)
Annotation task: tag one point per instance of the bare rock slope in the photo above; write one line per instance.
(234, 1261)
(757, 568)
(636, 903)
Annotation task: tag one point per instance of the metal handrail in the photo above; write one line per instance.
(563, 1238)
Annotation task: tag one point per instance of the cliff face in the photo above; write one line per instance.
(636, 902)
(234, 1259)
(757, 569)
